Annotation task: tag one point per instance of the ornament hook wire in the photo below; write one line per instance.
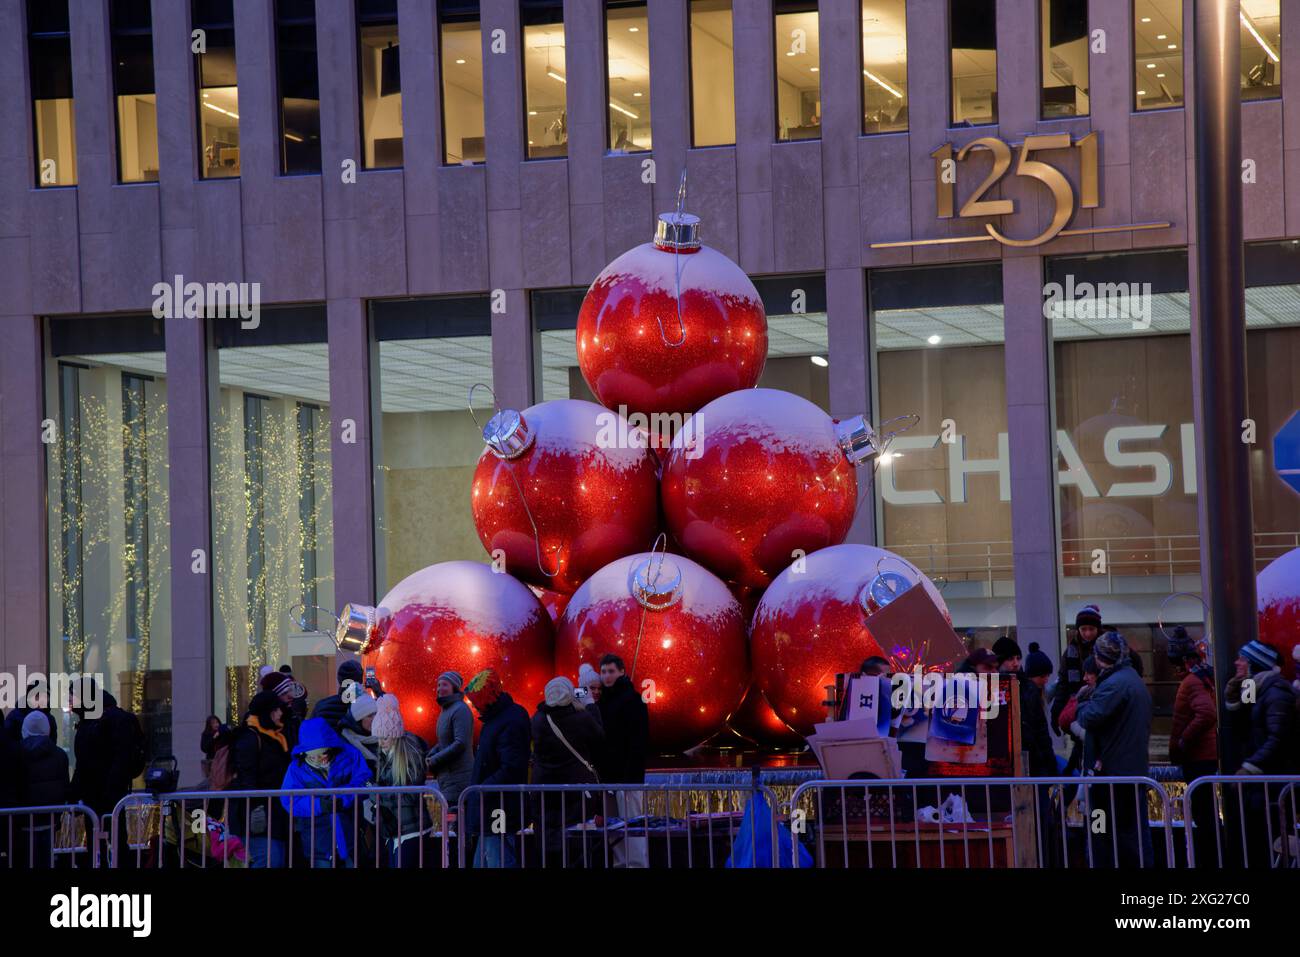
(656, 567)
(677, 268)
(469, 401)
(301, 619)
(1160, 615)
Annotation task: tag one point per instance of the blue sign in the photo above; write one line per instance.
(1286, 451)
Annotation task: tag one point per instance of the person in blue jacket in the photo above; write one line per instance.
(325, 825)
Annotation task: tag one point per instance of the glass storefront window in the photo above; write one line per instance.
(380, 83)
(460, 45)
(1064, 24)
(945, 485)
(798, 71)
(49, 55)
(109, 562)
(131, 24)
(627, 76)
(884, 66)
(218, 86)
(713, 82)
(299, 84)
(545, 78)
(973, 37)
(1158, 54)
(272, 524)
(431, 352)
(1261, 49)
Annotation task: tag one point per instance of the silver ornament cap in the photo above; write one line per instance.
(355, 628)
(507, 434)
(657, 583)
(678, 232)
(858, 440)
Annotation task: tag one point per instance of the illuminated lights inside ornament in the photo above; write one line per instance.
(356, 627)
(507, 434)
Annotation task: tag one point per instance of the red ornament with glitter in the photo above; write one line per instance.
(670, 325)
(453, 616)
(758, 477)
(1277, 590)
(680, 634)
(562, 489)
(756, 720)
(811, 625)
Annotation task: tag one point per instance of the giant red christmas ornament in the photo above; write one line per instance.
(759, 476)
(670, 325)
(453, 616)
(756, 720)
(563, 489)
(811, 625)
(676, 626)
(1277, 588)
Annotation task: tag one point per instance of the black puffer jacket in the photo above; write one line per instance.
(553, 763)
(627, 734)
(105, 750)
(44, 779)
(333, 709)
(260, 764)
(1273, 743)
(501, 758)
(1034, 734)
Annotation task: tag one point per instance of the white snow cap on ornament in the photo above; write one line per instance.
(556, 422)
(704, 269)
(778, 421)
(837, 573)
(703, 593)
(490, 602)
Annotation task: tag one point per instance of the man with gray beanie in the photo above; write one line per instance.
(1115, 714)
(451, 760)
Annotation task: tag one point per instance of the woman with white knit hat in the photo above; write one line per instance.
(403, 819)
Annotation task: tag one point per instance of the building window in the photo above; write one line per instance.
(545, 79)
(109, 559)
(627, 76)
(381, 83)
(1261, 49)
(713, 79)
(884, 66)
(431, 352)
(798, 71)
(945, 506)
(973, 36)
(1158, 54)
(295, 29)
(131, 25)
(218, 86)
(460, 42)
(1064, 26)
(49, 54)
(272, 528)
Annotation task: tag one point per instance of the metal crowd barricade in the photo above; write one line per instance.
(618, 825)
(48, 837)
(983, 822)
(330, 827)
(1243, 820)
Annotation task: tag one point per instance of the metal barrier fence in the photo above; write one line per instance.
(983, 822)
(48, 837)
(618, 826)
(406, 827)
(1243, 821)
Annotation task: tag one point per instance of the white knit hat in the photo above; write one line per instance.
(388, 718)
(587, 676)
(363, 707)
(559, 692)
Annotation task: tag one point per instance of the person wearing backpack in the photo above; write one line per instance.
(260, 756)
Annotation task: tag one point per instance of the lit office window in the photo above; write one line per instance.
(460, 44)
(1261, 49)
(798, 70)
(49, 55)
(108, 520)
(431, 352)
(272, 526)
(133, 87)
(218, 109)
(713, 81)
(380, 83)
(1158, 54)
(627, 47)
(295, 28)
(545, 78)
(973, 35)
(1065, 58)
(884, 66)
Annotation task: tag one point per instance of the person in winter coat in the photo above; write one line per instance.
(37, 699)
(260, 758)
(567, 739)
(1035, 736)
(626, 720)
(403, 823)
(326, 827)
(501, 759)
(334, 708)
(451, 761)
(1116, 718)
(108, 749)
(291, 694)
(43, 782)
(1069, 679)
(1194, 735)
(355, 729)
(215, 735)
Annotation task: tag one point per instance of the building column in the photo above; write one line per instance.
(847, 323)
